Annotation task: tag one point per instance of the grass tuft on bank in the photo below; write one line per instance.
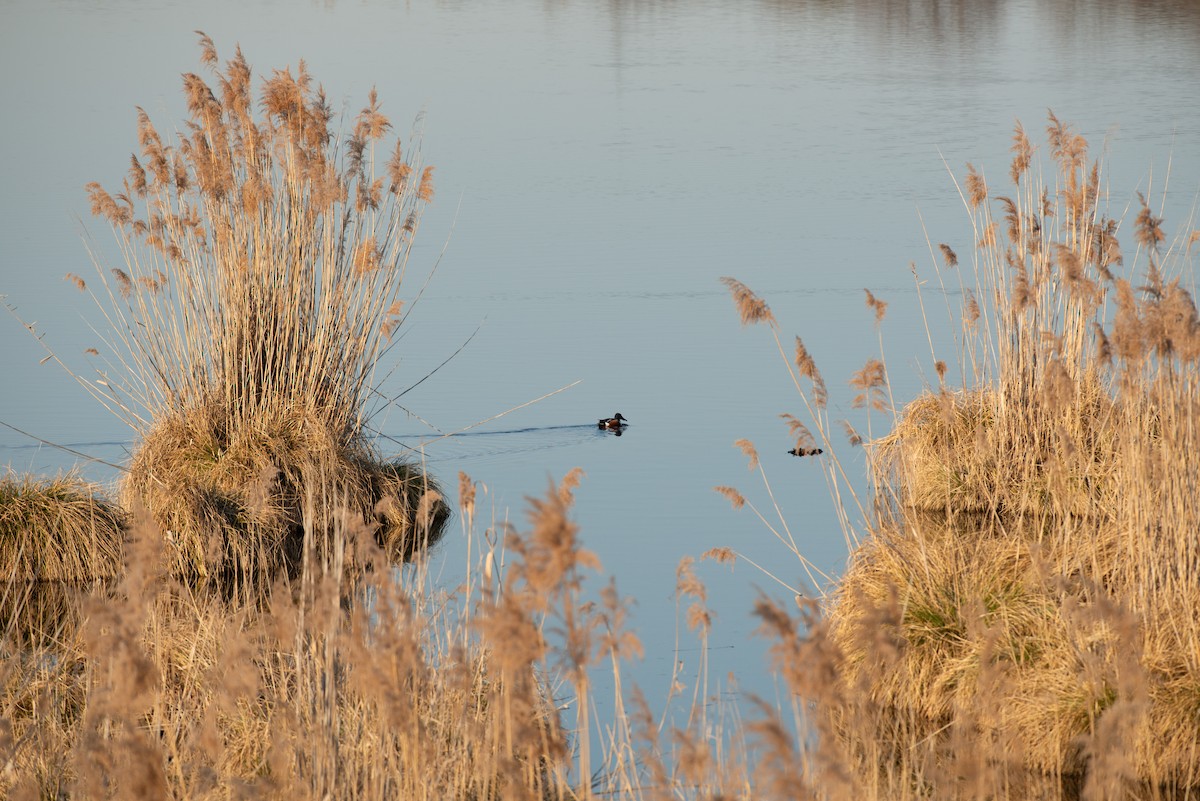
(59, 529)
(1018, 615)
(263, 255)
(237, 503)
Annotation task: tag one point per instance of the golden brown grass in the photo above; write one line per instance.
(232, 500)
(263, 258)
(263, 261)
(1017, 621)
(57, 529)
(355, 685)
(59, 538)
(953, 452)
(1019, 617)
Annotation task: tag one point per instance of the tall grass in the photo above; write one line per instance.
(1019, 612)
(354, 684)
(264, 255)
(57, 529)
(258, 641)
(263, 260)
(59, 538)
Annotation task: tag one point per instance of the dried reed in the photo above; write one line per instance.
(1052, 559)
(1019, 619)
(59, 529)
(264, 257)
(343, 685)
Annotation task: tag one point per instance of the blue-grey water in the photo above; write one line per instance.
(599, 166)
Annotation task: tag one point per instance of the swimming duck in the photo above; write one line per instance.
(613, 423)
(806, 451)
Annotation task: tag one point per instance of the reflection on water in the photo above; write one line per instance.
(949, 26)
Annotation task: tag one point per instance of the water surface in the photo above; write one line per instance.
(599, 167)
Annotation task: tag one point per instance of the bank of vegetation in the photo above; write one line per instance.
(1019, 613)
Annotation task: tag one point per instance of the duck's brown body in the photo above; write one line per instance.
(612, 423)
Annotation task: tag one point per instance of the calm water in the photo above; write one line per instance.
(599, 166)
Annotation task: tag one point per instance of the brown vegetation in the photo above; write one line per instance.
(232, 500)
(1020, 618)
(262, 266)
(264, 257)
(58, 529)
(351, 685)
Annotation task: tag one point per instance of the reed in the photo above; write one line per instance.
(58, 529)
(232, 500)
(345, 684)
(263, 257)
(1018, 613)
(257, 639)
(1017, 619)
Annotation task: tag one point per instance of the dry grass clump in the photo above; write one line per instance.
(344, 685)
(36, 612)
(1038, 533)
(264, 255)
(232, 500)
(952, 452)
(1020, 618)
(976, 622)
(57, 529)
(59, 538)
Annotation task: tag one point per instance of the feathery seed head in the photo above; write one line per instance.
(1148, 228)
(1022, 154)
(751, 308)
(425, 188)
(748, 450)
(870, 381)
(732, 495)
(808, 369)
(208, 50)
(948, 255)
(976, 188)
(876, 305)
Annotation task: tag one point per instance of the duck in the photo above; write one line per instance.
(806, 451)
(613, 423)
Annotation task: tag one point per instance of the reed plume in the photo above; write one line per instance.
(264, 260)
(282, 251)
(751, 308)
